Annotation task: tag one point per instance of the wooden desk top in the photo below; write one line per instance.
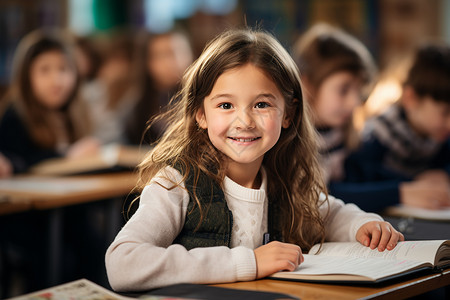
(36, 192)
(306, 291)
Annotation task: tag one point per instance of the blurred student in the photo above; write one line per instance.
(109, 95)
(405, 153)
(42, 117)
(160, 64)
(87, 57)
(335, 68)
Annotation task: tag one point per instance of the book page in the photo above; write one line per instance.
(424, 251)
(370, 268)
(81, 290)
(84, 289)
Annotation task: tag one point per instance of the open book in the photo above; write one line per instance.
(353, 262)
(109, 158)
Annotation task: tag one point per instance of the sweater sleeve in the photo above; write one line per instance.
(143, 257)
(342, 221)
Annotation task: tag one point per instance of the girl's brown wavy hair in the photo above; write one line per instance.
(294, 179)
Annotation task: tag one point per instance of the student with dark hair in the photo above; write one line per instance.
(405, 152)
(335, 69)
(42, 116)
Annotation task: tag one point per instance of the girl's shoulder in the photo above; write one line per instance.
(167, 177)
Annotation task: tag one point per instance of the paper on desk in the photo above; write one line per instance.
(442, 214)
(83, 289)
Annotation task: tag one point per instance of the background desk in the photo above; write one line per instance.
(33, 194)
(39, 192)
(305, 291)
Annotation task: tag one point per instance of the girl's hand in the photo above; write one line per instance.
(425, 193)
(84, 147)
(6, 168)
(430, 190)
(377, 234)
(277, 256)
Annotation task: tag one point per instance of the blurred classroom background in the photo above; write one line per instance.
(390, 29)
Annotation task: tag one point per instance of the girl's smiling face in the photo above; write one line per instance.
(52, 79)
(244, 114)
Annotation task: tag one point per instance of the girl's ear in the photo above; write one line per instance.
(286, 121)
(201, 119)
(287, 118)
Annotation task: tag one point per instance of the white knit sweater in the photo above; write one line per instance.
(143, 257)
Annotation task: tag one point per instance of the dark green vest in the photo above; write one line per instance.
(216, 226)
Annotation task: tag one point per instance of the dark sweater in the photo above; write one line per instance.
(370, 182)
(17, 145)
(217, 223)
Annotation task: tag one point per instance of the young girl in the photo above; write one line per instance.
(42, 116)
(335, 67)
(238, 161)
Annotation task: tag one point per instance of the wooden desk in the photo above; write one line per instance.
(24, 193)
(8, 206)
(305, 291)
(52, 192)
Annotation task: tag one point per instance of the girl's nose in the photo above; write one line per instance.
(244, 120)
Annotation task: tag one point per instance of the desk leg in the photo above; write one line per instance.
(55, 244)
(114, 223)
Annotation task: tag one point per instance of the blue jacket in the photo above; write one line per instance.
(372, 185)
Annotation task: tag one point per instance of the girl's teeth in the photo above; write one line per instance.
(244, 140)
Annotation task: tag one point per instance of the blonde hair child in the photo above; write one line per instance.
(238, 160)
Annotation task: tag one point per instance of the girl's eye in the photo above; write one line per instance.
(226, 106)
(262, 105)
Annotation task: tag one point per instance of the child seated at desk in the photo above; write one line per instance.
(405, 153)
(335, 69)
(42, 116)
(238, 160)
